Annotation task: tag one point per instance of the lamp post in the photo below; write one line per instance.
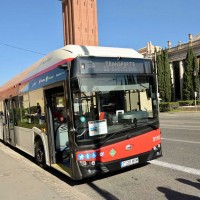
(195, 93)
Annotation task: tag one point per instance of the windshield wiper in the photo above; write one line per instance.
(107, 139)
(134, 124)
(83, 133)
(128, 135)
(152, 125)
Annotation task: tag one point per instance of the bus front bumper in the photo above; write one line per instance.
(102, 168)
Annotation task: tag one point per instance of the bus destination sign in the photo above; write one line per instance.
(122, 67)
(97, 65)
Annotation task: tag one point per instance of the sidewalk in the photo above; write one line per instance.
(22, 179)
(189, 108)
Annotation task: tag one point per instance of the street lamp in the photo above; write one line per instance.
(195, 93)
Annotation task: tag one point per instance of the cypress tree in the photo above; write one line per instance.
(167, 77)
(190, 76)
(159, 60)
(164, 76)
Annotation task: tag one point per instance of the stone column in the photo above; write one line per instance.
(169, 44)
(181, 71)
(172, 76)
(190, 39)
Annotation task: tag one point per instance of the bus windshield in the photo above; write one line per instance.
(112, 103)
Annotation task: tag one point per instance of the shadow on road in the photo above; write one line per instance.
(110, 174)
(71, 182)
(172, 194)
(103, 193)
(193, 184)
(91, 179)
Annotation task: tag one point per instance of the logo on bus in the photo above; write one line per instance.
(89, 156)
(113, 152)
(80, 156)
(129, 147)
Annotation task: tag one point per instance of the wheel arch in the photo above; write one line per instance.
(40, 136)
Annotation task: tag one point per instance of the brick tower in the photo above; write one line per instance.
(80, 22)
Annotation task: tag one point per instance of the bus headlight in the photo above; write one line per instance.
(83, 163)
(87, 163)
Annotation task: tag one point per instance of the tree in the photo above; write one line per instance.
(164, 76)
(190, 76)
(159, 62)
(167, 77)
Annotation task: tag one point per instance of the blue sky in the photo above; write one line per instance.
(36, 25)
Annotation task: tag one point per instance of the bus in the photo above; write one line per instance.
(84, 110)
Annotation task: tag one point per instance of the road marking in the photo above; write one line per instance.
(187, 141)
(171, 126)
(167, 116)
(178, 122)
(176, 167)
(178, 125)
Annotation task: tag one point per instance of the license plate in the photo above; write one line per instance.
(129, 162)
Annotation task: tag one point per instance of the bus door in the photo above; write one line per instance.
(10, 120)
(57, 126)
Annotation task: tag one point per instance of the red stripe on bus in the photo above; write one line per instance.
(124, 149)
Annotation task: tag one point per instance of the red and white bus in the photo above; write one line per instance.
(84, 110)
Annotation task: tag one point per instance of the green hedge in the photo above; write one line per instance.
(170, 106)
(30, 126)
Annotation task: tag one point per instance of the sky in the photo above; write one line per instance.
(29, 29)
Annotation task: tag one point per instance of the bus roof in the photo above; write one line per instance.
(63, 55)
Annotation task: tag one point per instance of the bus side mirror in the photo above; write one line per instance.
(148, 92)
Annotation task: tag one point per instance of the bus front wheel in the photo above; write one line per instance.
(40, 154)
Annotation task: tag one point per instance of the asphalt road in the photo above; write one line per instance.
(174, 176)
(181, 138)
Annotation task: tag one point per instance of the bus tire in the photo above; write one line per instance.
(40, 153)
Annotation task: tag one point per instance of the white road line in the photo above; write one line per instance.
(194, 128)
(176, 167)
(178, 122)
(178, 125)
(167, 116)
(187, 141)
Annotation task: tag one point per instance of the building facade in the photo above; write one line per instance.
(177, 55)
(149, 50)
(80, 22)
